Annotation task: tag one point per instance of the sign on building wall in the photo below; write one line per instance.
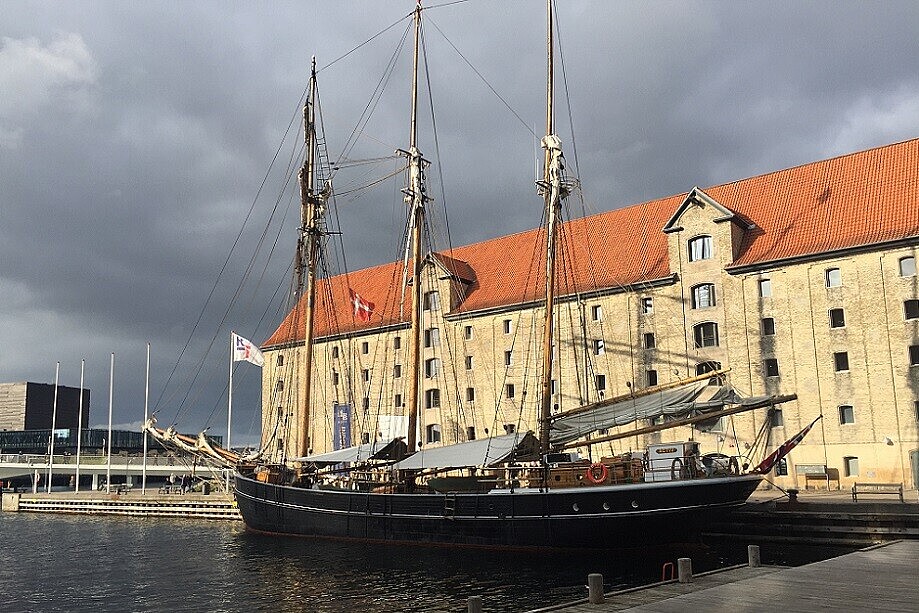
(341, 423)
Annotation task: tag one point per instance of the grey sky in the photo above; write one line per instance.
(134, 137)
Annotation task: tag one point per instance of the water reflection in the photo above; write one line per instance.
(65, 563)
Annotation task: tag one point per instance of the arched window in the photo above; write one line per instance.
(433, 434)
(703, 296)
(908, 267)
(705, 334)
(700, 248)
(710, 366)
(833, 277)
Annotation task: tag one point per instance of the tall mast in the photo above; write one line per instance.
(415, 197)
(311, 210)
(553, 190)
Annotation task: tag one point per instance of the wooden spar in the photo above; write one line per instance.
(415, 196)
(551, 192)
(306, 258)
(639, 394)
(682, 422)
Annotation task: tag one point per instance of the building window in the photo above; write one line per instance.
(596, 312)
(397, 401)
(280, 360)
(850, 465)
(553, 387)
(365, 347)
(771, 367)
(700, 248)
(468, 362)
(334, 378)
(916, 406)
(470, 394)
(470, 433)
(508, 357)
(432, 337)
(833, 277)
(432, 398)
(467, 333)
(837, 318)
(601, 383)
(510, 428)
(911, 309)
(335, 351)
(765, 288)
(432, 301)
(431, 368)
(397, 371)
(397, 342)
(908, 267)
(279, 386)
(650, 341)
(508, 326)
(647, 305)
(841, 361)
(709, 366)
(365, 375)
(432, 433)
(781, 467)
(914, 355)
(509, 390)
(652, 377)
(768, 326)
(846, 414)
(777, 420)
(706, 334)
(703, 296)
(366, 404)
(598, 346)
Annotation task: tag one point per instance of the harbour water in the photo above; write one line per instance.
(71, 563)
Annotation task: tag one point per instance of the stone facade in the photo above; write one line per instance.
(837, 327)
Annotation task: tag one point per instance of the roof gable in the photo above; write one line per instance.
(697, 197)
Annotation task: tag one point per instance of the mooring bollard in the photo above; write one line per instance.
(474, 604)
(595, 588)
(753, 556)
(684, 570)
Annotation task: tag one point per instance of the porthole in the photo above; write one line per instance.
(634, 504)
(558, 477)
(575, 507)
(606, 506)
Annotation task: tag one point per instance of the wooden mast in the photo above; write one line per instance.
(553, 191)
(307, 255)
(414, 196)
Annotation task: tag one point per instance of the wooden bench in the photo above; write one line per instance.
(877, 488)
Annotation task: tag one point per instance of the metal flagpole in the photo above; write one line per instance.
(57, 372)
(230, 400)
(111, 388)
(80, 426)
(143, 479)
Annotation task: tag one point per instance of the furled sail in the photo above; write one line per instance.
(692, 399)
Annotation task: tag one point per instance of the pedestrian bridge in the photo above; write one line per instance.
(123, 468)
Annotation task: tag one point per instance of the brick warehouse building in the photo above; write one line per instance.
(800, 281)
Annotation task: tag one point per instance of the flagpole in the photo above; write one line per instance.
(111, 389)
(57, 372)
(143, 479)
(230, 400)
(79, 426)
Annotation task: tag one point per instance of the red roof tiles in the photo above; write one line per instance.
(858, 199)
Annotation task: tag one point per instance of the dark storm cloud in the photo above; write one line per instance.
(134, 138)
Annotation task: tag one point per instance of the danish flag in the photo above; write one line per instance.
(362, 308)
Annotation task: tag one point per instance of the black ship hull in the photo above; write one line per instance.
(603, 517)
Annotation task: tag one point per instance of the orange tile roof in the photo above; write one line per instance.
(858, 199)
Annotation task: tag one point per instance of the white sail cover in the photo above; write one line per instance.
(480, 452)
(682, 401)
(360, 453)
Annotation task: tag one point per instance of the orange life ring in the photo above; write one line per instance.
(597, 473)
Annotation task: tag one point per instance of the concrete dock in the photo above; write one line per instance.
(135, 504)
(878, 577)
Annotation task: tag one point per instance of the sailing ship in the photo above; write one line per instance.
(518, 490)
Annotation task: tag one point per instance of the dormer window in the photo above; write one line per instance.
(700, 248)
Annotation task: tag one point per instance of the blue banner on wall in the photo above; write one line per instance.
(341, 422)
